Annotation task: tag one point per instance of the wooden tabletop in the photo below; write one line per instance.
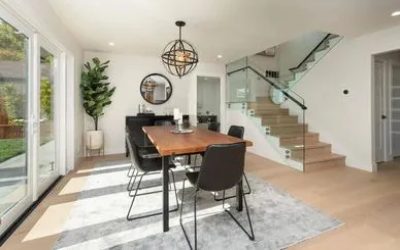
(168, 143)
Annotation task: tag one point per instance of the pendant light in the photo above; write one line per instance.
(179, 56)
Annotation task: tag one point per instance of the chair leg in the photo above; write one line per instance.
(132, 183)
(174, 185)
(134, 196)
(247, 183)
(251, 234)
(195, 221)
(181, 222)
(234, 196)
(129, 174)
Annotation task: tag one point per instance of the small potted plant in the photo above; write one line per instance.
(96, 95)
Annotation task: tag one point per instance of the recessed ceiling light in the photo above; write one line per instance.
(111, 43)
(219, 56)
(396, 13)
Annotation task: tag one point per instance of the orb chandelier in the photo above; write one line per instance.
(179, 57)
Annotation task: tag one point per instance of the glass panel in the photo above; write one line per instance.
(13, 114)
(47, 148)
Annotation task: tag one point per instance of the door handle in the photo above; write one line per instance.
(383, 117)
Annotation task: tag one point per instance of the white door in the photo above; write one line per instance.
(16, 123)
(395, 109)
(48, 115)
(380, 111)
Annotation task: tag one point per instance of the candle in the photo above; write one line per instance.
(176, 114)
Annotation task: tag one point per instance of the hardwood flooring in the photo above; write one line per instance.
(368, 204)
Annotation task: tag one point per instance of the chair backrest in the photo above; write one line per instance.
(236, 131)
(133, 152)
(162, 123)
(222, 167)
(213, 126)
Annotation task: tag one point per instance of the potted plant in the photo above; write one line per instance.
(96, 95)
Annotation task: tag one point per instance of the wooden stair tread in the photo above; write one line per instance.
(287, 125)
(308, 146)
(321, 158)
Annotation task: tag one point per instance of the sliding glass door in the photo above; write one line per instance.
(47, 165)
(30, 114)
(15, 133)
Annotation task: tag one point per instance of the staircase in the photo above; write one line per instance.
(286, 139)
(289, 132)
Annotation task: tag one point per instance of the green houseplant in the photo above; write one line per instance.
(96, 95)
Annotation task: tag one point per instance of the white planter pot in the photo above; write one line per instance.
(94, 139)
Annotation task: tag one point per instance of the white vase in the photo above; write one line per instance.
(94, 139)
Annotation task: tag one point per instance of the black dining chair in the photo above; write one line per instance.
(145, 164)
(162, 123)
(238, 132)
(148, 150)
(214, 126)
(222, 168)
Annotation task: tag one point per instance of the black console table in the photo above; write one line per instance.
(134, 126)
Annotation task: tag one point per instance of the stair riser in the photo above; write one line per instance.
(287, 130)
(315, 166)
(311, 152)
(279, 120)
(299, 141)
(264, 100)
(262, 106)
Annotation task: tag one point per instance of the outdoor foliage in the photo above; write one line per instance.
(10, 148)
(12, 44)
(95, 89)
(13, 102)
(46, 95)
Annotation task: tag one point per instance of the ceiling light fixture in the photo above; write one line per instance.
(111, 44)
(179, 56)
(219, 56)
(396, 13)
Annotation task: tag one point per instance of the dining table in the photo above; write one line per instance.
(170, 144)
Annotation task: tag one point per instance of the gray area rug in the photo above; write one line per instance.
(98, 218)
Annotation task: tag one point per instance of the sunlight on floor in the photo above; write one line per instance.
(93, 170)
(51, 222)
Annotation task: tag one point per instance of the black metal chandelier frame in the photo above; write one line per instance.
(179, 56)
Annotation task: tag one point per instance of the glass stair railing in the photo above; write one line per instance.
(292, 60)
(248, 92)
(260, 87)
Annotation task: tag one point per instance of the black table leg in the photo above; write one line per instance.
(239, 196)
(165, 194)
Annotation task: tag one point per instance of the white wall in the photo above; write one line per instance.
(126, 73)
(346, 120)
(39, 15)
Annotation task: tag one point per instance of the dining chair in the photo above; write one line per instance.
(145, 164)
(222, 168)
(214, 126)
(162, 123)
(148, 150)
(238, 132)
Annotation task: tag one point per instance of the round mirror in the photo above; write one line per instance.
(156, 88)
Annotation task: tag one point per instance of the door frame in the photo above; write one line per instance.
(221, 104)
(388, 154)
(59, 112)
(9, 15)
(13, 214)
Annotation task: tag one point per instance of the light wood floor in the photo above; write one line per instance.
(368, 204)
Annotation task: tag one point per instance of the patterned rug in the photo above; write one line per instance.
(98, 219)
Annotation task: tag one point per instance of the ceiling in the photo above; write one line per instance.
(232, 28)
